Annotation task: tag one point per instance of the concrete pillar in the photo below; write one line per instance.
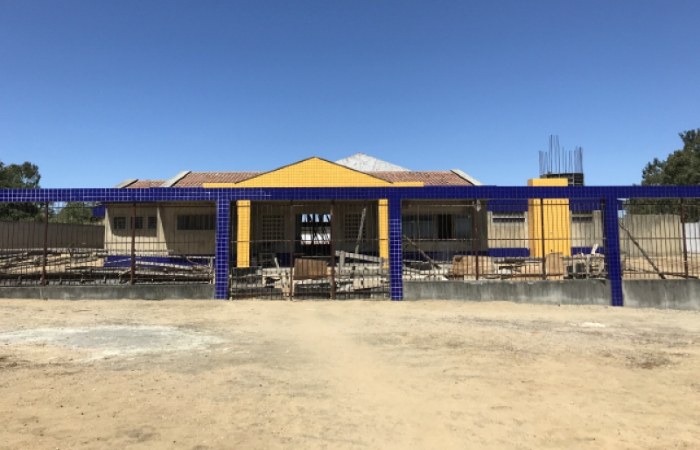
(243, 234)
(223, 227)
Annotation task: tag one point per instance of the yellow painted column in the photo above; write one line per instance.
(557, 221)
(243, 233)
(384, 230)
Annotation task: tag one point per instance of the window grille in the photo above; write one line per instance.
(419, 227)
(508, 217)
(119, 223)
(352, 227)
(196, 222)
(582, 217)
(273, 227)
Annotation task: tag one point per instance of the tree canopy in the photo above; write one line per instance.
(682, 167)
(19, 176)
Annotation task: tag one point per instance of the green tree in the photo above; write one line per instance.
(19, 176)
(682, 167)
(76, 212)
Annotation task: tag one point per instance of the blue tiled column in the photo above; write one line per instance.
(223, 228)
(395, 249)
(611, 228)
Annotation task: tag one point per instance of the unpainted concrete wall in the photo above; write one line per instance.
(662, 294)
(574, 292)
(657, 234)
(138, 292)
(30, 235)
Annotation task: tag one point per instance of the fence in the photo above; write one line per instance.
(77, 243)
(505, 239)
(301, 242)
(318, 249)
(660, 238)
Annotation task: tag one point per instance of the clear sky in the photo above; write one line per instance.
(95, 92)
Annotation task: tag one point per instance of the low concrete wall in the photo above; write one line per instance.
(574, 292)
(137, 292)
(662, 294)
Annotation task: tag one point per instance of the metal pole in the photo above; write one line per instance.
(46, 244)
(475, 245)
(332, 250)
(685, 243)
(133, 243)
(544, 259)
(292, 223)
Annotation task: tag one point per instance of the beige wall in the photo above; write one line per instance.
(587, 234)
(451, 207)
(508, 235)
(166, 239)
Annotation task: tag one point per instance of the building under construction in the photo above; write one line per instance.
(357, 227)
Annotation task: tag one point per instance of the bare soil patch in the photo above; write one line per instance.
(346, 374)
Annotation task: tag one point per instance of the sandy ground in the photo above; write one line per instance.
(254, 375)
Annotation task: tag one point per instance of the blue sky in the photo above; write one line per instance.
(96, 92)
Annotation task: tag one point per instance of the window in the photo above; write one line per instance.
(273, 227)
(582, 217)
(152, 222)
(138, 223)
(119, 223)
(444, 226)
(352, 227)
(463, 226)
(418, 227)
(508, 217)
(196, 222)
(315, 229)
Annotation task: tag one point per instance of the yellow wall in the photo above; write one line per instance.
(557, 221)
(313, 172)
(384, 229)
(243, 234)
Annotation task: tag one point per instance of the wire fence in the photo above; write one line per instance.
(307, 250)
(340, 249)
(502, 240)
(81, 243)
(660, 238)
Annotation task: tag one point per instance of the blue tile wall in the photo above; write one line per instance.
(611, 231)
(586, 198)
(221, 261)
(395, 249)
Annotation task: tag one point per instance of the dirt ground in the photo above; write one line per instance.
(351, 374)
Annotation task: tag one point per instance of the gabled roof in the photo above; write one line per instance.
(314, 172)
(145, 184)
(427, 178)
(197, 179)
